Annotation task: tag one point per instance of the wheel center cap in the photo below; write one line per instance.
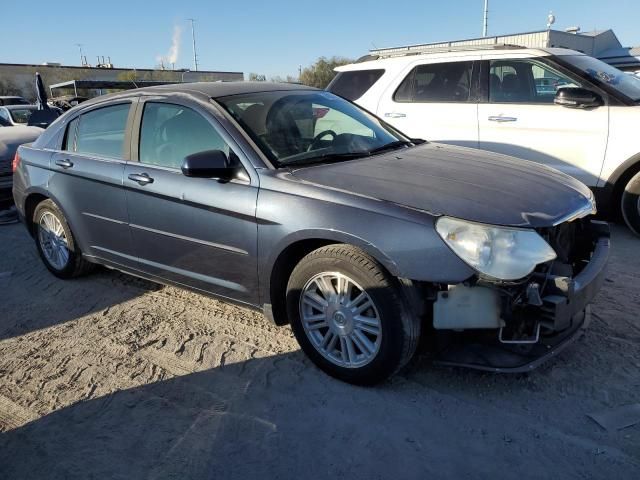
(339, 318)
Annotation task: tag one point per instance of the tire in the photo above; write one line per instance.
(382, 316)
(72, 265)
(630, 204)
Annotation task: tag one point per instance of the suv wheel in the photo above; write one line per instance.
(349, 315)
(56, 244)
(630, 204)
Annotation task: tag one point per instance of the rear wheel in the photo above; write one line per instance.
(349, 315)
(630, 204)
(56, 244)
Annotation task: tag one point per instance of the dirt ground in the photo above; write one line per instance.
(113, 377)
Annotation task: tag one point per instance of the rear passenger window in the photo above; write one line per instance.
(352, 85)
(436, 82)
(169, 133)
(101, 132)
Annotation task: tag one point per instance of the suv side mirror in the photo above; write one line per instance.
(574, 97)
(208, 164)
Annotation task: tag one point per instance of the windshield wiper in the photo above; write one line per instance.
(390, 146)
(326, 158)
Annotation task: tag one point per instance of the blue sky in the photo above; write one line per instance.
(275, 36)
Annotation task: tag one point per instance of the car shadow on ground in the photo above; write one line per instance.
(33, 298)
(275, 417)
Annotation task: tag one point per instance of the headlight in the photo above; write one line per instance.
(499, 252)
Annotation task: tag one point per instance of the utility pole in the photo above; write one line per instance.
(79, 45)
(486, 18)
(193, 38)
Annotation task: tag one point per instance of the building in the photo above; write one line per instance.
(602, 44)
(18, 79)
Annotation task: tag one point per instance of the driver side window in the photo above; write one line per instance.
(169, 133)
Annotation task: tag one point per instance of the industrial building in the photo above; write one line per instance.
(17, 79)
(602, 44)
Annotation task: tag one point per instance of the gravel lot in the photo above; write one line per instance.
(110, 376)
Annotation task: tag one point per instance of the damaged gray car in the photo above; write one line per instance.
(301, 204)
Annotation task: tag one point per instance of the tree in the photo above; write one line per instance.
(321, 73)
(287, 79)
(257, 77)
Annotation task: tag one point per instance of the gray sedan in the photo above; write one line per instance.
(299, 203)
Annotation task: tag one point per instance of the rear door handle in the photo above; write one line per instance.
(501, 119)
(141, 178)
(395, 115)
(64, 163)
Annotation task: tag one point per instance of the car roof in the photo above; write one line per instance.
(209, 89)
(20, 107)
(399, 59)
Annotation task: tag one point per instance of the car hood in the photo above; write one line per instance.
(461, 182)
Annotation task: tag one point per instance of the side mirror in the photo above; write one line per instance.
(577, 98)
(208, 164)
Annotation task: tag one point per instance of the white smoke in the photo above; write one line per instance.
(172, 55)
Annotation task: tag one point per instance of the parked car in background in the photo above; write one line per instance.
(557, 107)
(10, 140)
(23, 115)
(357, 236)
(13, 100)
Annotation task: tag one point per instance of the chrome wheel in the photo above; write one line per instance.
(340, 319)
(53, 240)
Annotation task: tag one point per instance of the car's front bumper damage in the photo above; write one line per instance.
(516, 327)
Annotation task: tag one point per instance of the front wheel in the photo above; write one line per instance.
(349, 315)
(630, 204)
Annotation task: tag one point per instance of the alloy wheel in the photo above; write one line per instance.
(340, 319)
(53, 240)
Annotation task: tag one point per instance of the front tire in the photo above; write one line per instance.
(350, 316)
(56, 243)
(630, 204)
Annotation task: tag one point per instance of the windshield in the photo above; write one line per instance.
(20, 115)
(628, 85)
(295, 127)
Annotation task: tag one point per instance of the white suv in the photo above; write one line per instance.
(553, 106)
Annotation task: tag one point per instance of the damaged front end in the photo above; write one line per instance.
(514, 326)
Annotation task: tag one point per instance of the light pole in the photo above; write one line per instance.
(486, 18)
(193, 39)
(183, 72)
(79, 45)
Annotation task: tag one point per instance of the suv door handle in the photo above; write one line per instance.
(141, 178)
(395, 115)
(501, 119)
(64, 163)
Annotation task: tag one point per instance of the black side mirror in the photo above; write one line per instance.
(577, 98)
(208, 164)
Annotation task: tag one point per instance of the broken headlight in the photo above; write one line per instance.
(500, 252)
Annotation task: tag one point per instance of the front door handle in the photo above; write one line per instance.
(141, 178)
(501, 119)
(395, 115)
(64, 163)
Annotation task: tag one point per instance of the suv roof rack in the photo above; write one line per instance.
(431, 48)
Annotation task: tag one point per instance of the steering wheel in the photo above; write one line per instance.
(319, 137)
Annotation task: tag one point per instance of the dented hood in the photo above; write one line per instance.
(460, 182)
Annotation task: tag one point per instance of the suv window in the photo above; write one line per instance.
(170, 132)
(101, 132)
(352, 85)
(436, 82)
(524, 81)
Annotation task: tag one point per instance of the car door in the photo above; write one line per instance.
(86, 181)
(198, 232)
(435, 101)
(519, 118)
